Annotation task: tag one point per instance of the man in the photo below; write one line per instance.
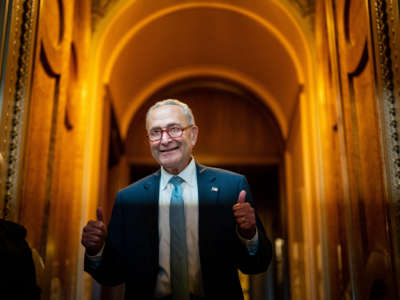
(182, 232)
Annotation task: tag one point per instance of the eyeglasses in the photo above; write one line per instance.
(173, 131)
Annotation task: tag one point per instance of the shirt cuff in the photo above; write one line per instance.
(251, 245)
(97, 257)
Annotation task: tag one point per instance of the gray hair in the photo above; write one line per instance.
(184, 106)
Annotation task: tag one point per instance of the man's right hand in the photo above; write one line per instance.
(94, 234)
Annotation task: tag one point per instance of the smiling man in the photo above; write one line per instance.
(171, 150)
(183, 232)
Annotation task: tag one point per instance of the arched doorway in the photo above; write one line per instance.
(142, 49)
(238, 132)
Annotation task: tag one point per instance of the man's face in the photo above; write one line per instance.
(172, 153)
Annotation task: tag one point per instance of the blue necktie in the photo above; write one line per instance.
(178, 254)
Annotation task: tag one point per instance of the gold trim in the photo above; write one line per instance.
(99, 10)
(19, 68)
(387, 92)
(307, 8)
(386, 31)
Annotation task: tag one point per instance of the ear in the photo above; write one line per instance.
(194, 134)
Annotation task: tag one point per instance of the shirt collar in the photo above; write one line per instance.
(187, 174)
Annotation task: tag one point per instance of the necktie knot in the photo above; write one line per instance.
(176, 181)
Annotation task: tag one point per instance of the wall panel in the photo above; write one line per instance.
(55, 141)
(362, 263)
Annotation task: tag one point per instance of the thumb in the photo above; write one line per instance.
(99, 214)
(242, 197)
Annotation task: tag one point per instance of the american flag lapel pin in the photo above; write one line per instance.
(214, 189)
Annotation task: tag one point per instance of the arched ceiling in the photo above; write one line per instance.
(148, 44)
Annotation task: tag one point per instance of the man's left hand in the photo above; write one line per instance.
(244, 216)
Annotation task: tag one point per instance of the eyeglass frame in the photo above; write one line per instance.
(166, 130)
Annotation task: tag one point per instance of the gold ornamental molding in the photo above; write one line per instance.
(387, 51)
(22, 24)
(99, 10)
(306, 7)
(386, 35)
(388, 78)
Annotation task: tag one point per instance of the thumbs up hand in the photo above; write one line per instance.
(244, 216)
(94, 234)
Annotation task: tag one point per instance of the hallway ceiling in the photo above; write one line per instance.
(147, 45)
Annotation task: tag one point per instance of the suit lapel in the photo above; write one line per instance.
(151, 191)
(208, 195)
(152, 187)
(208, 190)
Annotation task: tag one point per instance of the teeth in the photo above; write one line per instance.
(167, 150)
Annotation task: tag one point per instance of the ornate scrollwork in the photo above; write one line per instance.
(387, 49)
(21, 76)
(388, 93)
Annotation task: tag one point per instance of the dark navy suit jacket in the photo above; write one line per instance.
(132, 246)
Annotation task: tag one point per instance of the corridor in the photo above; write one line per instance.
(300, 96)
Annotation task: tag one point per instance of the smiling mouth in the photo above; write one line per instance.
(168, 150)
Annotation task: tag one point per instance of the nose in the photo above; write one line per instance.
(165, 138)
